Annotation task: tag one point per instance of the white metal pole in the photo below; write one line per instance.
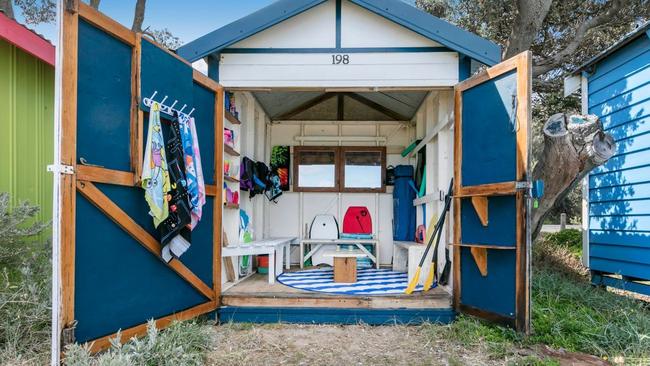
(56, 197)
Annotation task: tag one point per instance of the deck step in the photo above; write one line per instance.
(433, 300)
(251, 314)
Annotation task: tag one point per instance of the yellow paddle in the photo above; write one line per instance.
(416, 278)
(436, 231)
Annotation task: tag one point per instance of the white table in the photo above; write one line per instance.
(318, 243)
(266, 246)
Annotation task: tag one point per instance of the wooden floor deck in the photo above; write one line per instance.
(255, 291)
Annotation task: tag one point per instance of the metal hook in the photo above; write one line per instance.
(153, 95)
(162, 103)
(192, 111)
(181, 111)
(172, 106)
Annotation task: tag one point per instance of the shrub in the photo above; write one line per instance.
(15, 229)
(570, 239)
(183, 344)
(25, 272)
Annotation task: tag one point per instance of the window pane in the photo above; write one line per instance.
(316, 169)
(363, 169)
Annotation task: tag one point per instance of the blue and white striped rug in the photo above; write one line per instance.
(369, 282)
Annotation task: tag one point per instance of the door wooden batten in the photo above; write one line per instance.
(84, 178)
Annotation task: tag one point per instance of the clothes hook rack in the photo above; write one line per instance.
(169, 110)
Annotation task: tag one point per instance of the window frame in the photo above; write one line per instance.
(298, 151)
(339, 168)
(373, 149)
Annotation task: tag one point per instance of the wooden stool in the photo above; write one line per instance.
(345, 264)
(345, 269)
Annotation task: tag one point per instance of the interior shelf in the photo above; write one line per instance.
(231, 205)
(230, 179)
(229, 150)
(231, 118)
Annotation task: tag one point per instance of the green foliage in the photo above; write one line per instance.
(182, 343)
(165, 38)
(25, 272)
(37, 11)
(15, 229)
(570, 239)
(579, 317)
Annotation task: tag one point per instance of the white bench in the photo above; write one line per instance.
(269, 247)
(407, 256)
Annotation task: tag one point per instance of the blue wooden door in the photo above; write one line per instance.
(491, 193)
(112, 274)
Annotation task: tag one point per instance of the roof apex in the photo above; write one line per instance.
(396, 11)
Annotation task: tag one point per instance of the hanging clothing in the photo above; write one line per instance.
(190, 149)
(155, 174)
(198, 210)
(179, 220)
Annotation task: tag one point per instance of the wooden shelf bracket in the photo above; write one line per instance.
(480, 204)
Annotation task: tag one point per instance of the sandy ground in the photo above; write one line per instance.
(278, 344)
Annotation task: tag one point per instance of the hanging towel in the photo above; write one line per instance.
(197, 210)
(155, 176)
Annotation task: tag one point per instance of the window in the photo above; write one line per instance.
(339, 169)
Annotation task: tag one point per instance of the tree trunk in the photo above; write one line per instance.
(7, 7)
(95, 4)
(573, 146)
(138, 17)
(526, 25)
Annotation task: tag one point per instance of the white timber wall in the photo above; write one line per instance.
(294, 212)
(361, 28)
(434, 123)
(250, 139)
(316, 28)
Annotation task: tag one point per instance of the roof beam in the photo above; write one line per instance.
(340, 107)
(305, 106)
(378, 107)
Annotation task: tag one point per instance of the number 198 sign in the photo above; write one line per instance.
(340, 59)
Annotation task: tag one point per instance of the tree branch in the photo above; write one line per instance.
(581, 33)
(7, 7)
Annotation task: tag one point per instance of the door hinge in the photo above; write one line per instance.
(523, 185)
(67, 334)
(60, 169)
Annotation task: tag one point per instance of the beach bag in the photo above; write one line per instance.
(260, 179)
(246, 172)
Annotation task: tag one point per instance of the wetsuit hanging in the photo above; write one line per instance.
(175, 231)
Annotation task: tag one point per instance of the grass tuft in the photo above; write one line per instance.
(567, 312)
